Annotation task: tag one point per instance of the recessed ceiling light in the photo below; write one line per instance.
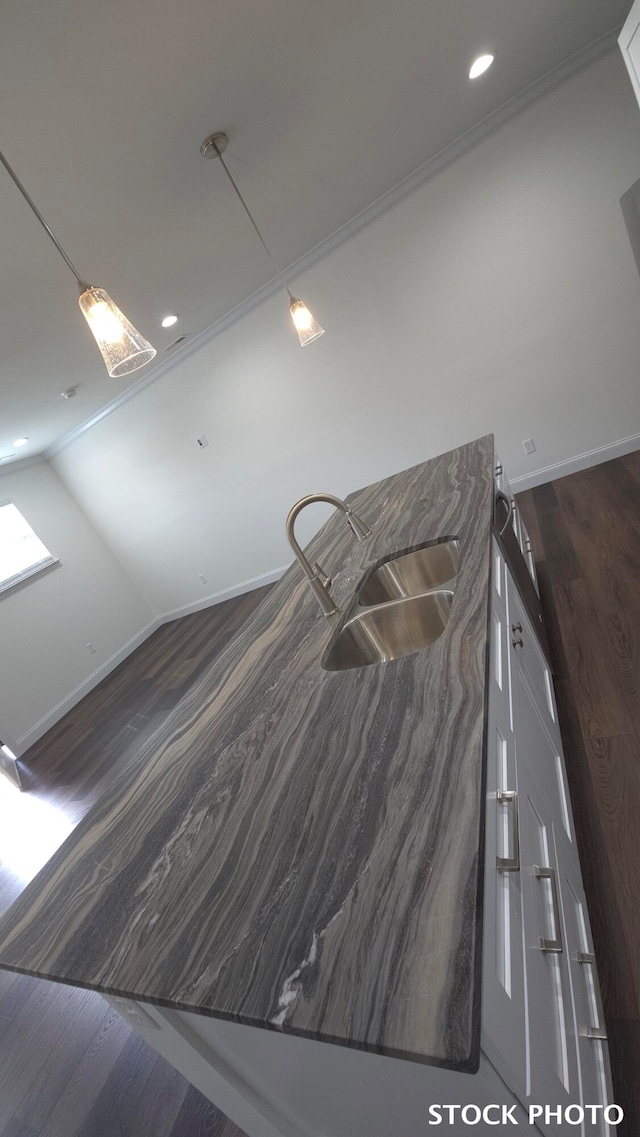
(480, 66)
(169, 321)
(20, 441)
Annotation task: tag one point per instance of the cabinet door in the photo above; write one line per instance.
(535, 707)
(527, 653)
(550, 1023)
(540, 750)
(504, 1038)
(499, 642)
(589, 1025)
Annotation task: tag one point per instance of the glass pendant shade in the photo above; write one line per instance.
(307, 327)
(122, 347)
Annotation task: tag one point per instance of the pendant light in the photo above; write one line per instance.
(122, 347)
(307, 327)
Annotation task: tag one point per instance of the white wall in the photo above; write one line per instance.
(502, 296)
(46, 622)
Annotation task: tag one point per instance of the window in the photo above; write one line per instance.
(21, 553)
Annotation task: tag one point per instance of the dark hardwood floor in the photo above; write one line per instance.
(71, 1067)
(585, 534)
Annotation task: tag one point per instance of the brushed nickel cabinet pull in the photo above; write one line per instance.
(594, 1031)
(552, 945)
(510, 864)
(501, 496)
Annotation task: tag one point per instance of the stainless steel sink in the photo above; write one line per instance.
(412, 574)
(391, 631)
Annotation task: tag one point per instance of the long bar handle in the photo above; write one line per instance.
(553, 945)
(594, 1031)
(510, 864)
(501, 496)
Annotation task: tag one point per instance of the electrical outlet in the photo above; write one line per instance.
(202, 441)
(90, 648)
(529, 445)
(202, 577)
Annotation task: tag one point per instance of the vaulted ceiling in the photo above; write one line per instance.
(328, 106)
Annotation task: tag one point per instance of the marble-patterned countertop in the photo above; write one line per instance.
(299, 849)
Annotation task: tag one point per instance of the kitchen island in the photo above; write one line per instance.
(380, 857)
(297, 849)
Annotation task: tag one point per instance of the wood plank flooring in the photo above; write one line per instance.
(585, 534)
(71, 1067)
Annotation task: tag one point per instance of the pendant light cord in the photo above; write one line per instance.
(12, 174)
(250, 216)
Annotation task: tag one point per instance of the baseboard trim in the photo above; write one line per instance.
(68, 703)
(226, 594)
(578, 462)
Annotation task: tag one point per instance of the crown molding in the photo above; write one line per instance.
(451, 153)
(21, 464)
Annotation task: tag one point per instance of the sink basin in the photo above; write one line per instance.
(395, 629)
(412, 573)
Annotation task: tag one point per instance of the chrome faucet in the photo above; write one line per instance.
(319, 582)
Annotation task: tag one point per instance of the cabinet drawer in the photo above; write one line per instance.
(540, 752)
(504, 1038)
(589, 1025)
(554, 1058)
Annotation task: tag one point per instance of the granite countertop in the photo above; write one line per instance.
(298, 849)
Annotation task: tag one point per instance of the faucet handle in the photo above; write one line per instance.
(357, 526)
(321, 575)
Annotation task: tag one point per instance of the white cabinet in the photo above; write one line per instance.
(528, 656)
(539, 970)
(504, 1035)
(629, 43)
(536, 721)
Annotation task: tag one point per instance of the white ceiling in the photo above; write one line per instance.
(328, 105)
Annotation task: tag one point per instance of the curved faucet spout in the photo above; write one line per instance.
(318, 580)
